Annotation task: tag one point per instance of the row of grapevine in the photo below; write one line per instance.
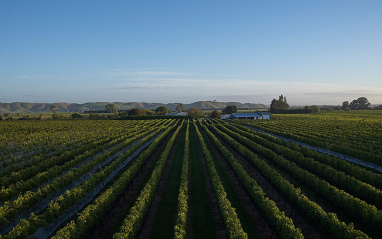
(230, 218)
(7, 193)
(356, 137)
(355, 171)
(335, 125)
(45, 164)
(40, 164)
(11, 209)
(88, 175)
(134, 220)
(283, 225)
(91, 215)
(327, 222)
(181, 220)
(22, 140)
(71, 197)
(339, 179)
(352, 206)
(29, 167)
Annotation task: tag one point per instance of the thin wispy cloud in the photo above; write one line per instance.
(141, 73)
(345, 93)
(22, 76)
(247, 90)
(128, 88)
(35, 96)
(162, 85)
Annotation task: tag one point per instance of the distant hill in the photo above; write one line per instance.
(20, 107)
(212, 105)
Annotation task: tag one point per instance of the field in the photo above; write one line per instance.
(166, 178)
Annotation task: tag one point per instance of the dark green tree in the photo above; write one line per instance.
(53, 108)
(137, 112)
(162, 110)
(111, 108)
(195, 113)
(215, 114)
(180, 108)
(149, 112)
(345, 105)
(362, 103)
(76, 116)
(316, 109)
(230, 109)
(281, 103)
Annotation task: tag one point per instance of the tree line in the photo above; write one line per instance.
(362, 103)
(281, 106)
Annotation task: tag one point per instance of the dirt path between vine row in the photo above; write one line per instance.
(262, 227)
(151, 214)
(220, 228)
(308, 230)
(119, 210)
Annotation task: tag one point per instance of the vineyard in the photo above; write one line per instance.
(174, 178)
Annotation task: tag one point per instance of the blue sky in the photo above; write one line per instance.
(314, 52)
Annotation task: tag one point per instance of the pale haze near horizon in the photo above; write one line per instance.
(313, 52)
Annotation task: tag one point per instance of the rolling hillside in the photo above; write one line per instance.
(21, 107)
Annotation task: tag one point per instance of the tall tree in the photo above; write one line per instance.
(195, 113)
(162, 110)
(76, 116)
(316, 109)
(137, 112)
(215, 114)
(345, 105)
(111, 108)
(230, 109)
(149, 112)
(180, 108)
(362, 103)
(53, 108)
(281, 103)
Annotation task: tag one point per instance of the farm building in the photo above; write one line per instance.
(224, 117)
(177, 114)
(265, 115)
(258, 115)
